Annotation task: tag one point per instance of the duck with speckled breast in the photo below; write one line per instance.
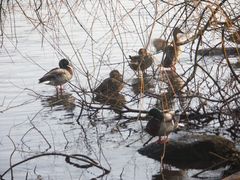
(162, 123)
(58, 76)
(142, 61)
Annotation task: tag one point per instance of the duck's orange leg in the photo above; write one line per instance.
(162, 140)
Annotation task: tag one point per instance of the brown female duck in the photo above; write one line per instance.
(113, 84)
(142, 61)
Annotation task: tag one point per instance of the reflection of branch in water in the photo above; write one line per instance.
(142, 85)
(63, 102)
(78, 157)
(174, 86)
(115, 100)
(10, 106)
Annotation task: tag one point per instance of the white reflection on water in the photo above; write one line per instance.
(37, 120)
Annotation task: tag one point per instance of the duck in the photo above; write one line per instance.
(160, 44)
(162, 123)
(112, 84)
(58, 76)
(234, 37)
(171, 51)
(142, 61)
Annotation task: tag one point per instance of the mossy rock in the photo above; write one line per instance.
(194, 151)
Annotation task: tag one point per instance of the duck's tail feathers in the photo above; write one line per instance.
(43, 79)
(181, 125)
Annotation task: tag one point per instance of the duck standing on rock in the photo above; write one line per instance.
(58, 76)
(142, 61)
(161, 124)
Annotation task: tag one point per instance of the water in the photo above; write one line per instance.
(35, 120)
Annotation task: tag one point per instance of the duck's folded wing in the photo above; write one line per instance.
(49, 72)
(153, 127)
(56, 74)
(169, 56)
(101, 87)
(108, 86)
(134, 58)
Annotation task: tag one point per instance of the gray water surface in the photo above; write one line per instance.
(35, 120)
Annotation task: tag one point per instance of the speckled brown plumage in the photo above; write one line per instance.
(111, 85)
(142, 61)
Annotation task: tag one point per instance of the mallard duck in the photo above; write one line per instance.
(234, 37)
(171, 51)
(161, 124)
(113, 84)
(58, 76)
(142, 61)
(160, 44)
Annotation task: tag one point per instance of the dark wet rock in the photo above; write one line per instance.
(230, 51)
(194, 152)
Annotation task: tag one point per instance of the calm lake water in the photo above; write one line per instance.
(35, 120)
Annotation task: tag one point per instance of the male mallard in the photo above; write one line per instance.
(113, 84)
(161, 123)
(234, 37)
(58, 76)
(142, 61)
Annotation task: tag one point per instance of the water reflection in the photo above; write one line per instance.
(174, 84)
(168, 174)
(115, 100)
(145, 84)
(64, 101)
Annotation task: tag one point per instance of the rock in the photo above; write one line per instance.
(193, 151)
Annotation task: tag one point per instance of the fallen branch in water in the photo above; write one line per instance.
(82, 158)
